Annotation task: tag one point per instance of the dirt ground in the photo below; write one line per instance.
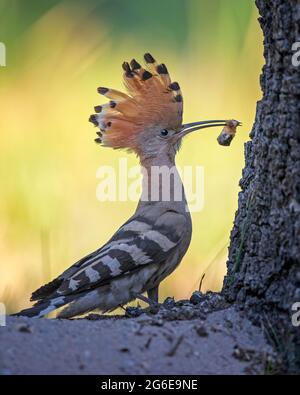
(202, 336)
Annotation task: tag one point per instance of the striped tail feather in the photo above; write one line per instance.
(47, 290)
(40, 309)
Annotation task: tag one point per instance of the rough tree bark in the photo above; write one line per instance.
(264, 255)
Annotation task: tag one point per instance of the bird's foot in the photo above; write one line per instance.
(153, 307)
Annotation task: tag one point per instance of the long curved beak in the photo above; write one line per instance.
(191, 127)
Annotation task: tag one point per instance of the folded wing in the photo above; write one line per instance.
(137, 243)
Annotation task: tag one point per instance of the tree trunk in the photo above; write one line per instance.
(264, 255)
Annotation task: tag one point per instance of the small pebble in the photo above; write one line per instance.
(169, 303)
(201, 331)
(158, 322)
(124, 349)
(25, 328)
(241, 354)
(196, 297)
(133, 312)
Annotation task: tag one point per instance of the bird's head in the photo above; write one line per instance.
(148, 118)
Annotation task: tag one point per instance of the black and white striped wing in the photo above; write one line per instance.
(137, 243)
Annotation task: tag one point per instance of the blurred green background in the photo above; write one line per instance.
(58, 53)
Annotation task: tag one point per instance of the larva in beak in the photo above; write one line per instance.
(228, 132)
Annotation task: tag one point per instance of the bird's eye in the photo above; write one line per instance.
(164, 133)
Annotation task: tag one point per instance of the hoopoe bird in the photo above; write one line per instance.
(146, 120)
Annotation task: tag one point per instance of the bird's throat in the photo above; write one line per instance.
(161, 181)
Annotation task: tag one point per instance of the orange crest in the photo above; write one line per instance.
(152, 101)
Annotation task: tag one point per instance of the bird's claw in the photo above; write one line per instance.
(153, 307)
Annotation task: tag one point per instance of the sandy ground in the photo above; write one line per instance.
(182, 338)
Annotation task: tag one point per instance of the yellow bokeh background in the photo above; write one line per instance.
(58, 53)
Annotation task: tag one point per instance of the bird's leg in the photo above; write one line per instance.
(151, 300)
(153, 304)
(153, 294)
